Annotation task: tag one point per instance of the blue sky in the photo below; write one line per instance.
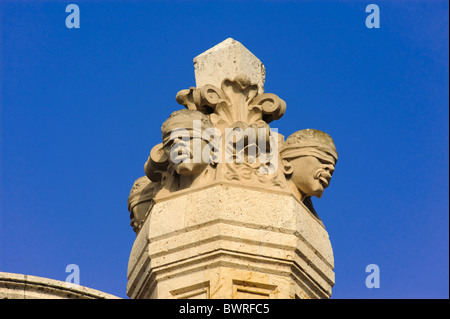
(81, 109)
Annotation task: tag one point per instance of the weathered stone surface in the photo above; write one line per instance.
(269, 243)
(227, 60)
(18, 286)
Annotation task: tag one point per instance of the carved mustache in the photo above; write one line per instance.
(323, 176)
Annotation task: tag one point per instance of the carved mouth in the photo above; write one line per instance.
(181, 158)
(324, 182)
(318, 174)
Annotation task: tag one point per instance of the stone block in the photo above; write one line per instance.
(231, 242)
(227, 60)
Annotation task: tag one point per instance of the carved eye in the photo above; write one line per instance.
(328, 166)
(330, 169)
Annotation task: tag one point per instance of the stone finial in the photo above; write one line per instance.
(227, 60)
(226, 220)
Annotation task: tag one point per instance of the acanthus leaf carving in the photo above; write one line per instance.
(236, 101)
(270, 105)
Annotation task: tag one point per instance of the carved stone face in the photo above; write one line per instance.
(309, 157)
(140, 199)
(182, 141)
(185, 153)
(311, 175)
(139, 212)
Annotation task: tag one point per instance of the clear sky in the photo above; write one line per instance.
(81, 109)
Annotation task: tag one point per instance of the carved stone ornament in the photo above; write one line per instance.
(223, 136)
(224, 209)
(237, 101)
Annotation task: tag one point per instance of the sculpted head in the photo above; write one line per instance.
(308, 158)
(140, 199)
(183, 142)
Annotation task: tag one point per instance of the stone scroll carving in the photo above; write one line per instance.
(237, 101)
(223, 136)
(240, 113)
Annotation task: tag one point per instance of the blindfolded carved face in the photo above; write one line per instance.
(181, 148)
(311, 175)
(183, 143)
(309, 158)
